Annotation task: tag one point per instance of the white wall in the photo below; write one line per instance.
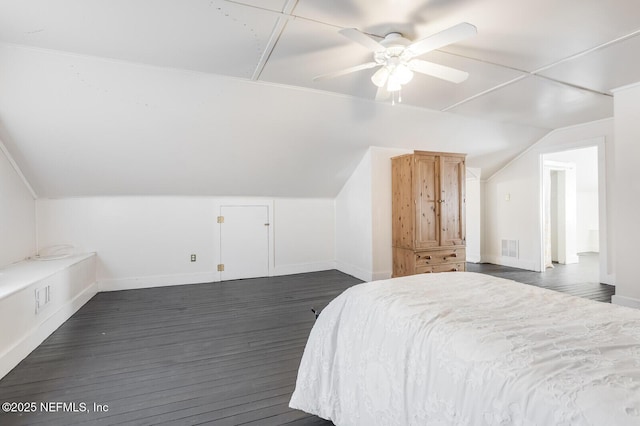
(354, 229)
(363, 217)
(474, 188)
(627, 203)
(381, 210)
(513, 198)
(304, 233)
(17, 213)
(147, 241)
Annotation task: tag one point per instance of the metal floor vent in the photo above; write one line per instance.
(510, 248)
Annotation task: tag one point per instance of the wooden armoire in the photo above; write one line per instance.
(428, 209)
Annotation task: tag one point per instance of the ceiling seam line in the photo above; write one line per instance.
(587, 51)
(537, 71)
(575, 86)
(274, 39)
(271, 44)
(477, 95)
(290, 15)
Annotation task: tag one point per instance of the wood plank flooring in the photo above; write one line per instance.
(219, 353)
(578, 279)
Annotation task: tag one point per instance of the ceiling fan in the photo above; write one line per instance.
(396, 57)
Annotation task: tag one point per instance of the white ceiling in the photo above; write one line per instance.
(215, 97)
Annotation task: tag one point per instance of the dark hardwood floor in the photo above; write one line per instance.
(578, 279)
(219, 353)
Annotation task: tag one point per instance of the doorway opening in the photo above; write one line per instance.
(570, 209)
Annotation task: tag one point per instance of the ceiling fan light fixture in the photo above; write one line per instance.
(379, 78)
(393, 84)
(402, 74)
(397, 58)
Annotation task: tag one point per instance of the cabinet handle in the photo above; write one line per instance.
(454, 270)
(453, 255)
(427, 257)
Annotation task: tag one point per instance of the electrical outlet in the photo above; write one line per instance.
(193, 257)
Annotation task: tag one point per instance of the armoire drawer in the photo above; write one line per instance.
(438, 257)
(449, 267)
(424, 270)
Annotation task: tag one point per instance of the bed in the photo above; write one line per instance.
(464, 348)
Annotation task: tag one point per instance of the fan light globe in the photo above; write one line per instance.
(393, 85)
(402, 74)
(379, 78)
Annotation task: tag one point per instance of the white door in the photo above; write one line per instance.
(244, 242)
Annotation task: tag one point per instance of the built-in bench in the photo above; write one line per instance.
(37, 297)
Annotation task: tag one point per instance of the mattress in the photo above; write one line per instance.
(470, 349)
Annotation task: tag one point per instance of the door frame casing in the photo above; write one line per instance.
(607, 276)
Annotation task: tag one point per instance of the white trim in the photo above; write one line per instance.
(558, 165)
(275, 37)
(301, 268)
(20, 350)
(157, 281)
(529, 265)
(151, 281)
(629, 302)
(600, 142)
(13, 163)
(609, 279)
(354, 271)
(474, 257)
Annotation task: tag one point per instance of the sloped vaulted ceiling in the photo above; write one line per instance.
(216, 97)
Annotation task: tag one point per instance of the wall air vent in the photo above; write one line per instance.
(510, 248)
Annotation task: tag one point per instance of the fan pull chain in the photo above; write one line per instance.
(393, 96)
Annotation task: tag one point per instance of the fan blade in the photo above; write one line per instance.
(439, 71)
(382, 94)
(346, 71)
(443, 38)
(362, 39)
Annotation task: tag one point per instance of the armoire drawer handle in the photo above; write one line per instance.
(453, 255)
(427, 257)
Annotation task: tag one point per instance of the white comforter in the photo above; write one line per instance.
(469, 349)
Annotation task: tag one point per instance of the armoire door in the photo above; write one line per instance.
(452, 196)
(244, 242)
(426, 169)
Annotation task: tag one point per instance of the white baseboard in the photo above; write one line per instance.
(157, 281)
(514, 263)
(608, 279)
(19, 351)
(629, 302)
(572, 259)
(354, 271)
(474, 257)
(301, 268)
